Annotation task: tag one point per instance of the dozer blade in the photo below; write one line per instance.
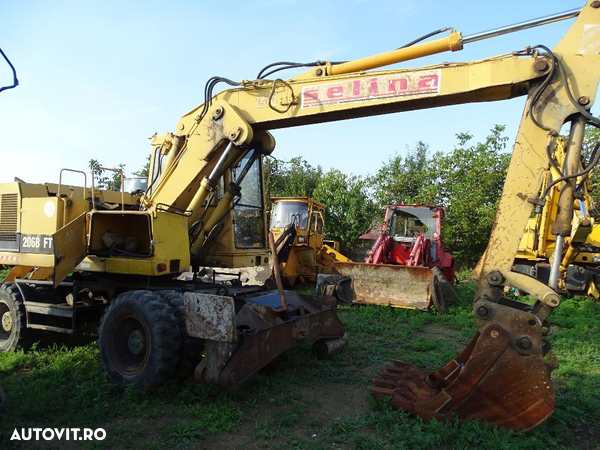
(263, 330)
(501, 377)
(400, 286)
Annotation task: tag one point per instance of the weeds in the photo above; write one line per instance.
(301, 403)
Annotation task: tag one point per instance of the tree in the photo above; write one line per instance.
(349, 208)
(471, 179)
(144, 171)
(467, 181)
(295, 178)
(106, 179)
(409, 181)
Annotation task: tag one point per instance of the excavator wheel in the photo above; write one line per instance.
(139, 340)
(13, 322)
(191, 347)
(502, 376)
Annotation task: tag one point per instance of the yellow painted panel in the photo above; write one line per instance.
(41, 215)
(69, 248)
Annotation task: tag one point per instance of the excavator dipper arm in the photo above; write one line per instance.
(503, 375)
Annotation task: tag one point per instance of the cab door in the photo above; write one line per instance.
(317, 225)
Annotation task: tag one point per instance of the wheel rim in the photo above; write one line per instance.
(130, 344)
(6, 322)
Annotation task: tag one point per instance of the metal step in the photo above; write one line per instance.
(49, 309)
(36, 326)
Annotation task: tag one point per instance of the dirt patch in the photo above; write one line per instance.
(436, 331)
(321, 404)
(587, 436)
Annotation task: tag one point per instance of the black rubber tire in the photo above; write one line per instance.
(139, 340)
(191, 348)
(11, 303)
(437, 296)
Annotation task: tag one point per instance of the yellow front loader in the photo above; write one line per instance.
(204, 207)
(298, 227)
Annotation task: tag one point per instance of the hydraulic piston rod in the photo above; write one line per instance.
(453, 42)
(521, 26)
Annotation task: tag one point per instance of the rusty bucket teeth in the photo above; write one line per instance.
(387, 384)
(491, 380)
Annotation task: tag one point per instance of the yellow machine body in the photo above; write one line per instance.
(37, 231)
(582, 247)
(304, 253)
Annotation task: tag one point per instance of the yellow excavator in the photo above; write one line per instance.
(298, 227)
(73, 253)
(578, 255)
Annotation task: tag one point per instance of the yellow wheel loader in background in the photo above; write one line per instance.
(298, 225)
(204, 207)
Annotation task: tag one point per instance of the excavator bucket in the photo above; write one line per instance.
(400, 286)
(502, 376)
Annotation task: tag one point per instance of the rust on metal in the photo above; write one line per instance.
(265, 330)
(276, 273)
(495, 378)
(387, 284)
(210, 317)
(324, 348)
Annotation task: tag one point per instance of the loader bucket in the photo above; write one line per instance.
(502, 376)
(400, 286)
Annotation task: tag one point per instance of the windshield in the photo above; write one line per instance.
(135, 184)
(285, 213)
(248, 213)
(410, 222)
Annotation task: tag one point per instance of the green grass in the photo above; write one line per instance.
(298, 402)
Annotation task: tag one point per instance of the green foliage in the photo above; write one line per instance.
(144, 171)
(471, 179)
(350, 210)
(412, 180)
(294, 178)
(104, 179)
(467, 181)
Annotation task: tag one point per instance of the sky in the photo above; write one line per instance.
(98, 78)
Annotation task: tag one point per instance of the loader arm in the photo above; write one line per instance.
(501, 376)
